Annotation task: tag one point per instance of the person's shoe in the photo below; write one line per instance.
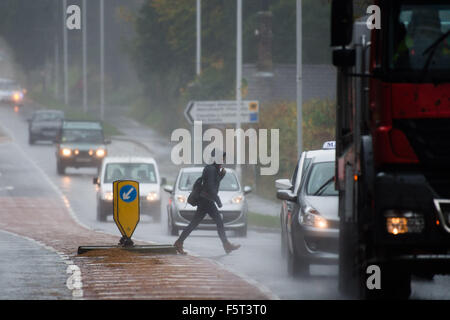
(179, 246)
(230, 247)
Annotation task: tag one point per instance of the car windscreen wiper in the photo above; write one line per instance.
(322, 187)
(430, 51)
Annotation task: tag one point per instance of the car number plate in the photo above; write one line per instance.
(83, 159)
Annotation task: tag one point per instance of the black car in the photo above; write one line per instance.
(44, 125)
(80, 144)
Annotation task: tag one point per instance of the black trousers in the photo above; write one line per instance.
(204, 207)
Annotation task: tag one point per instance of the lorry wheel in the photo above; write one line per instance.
(349, 273)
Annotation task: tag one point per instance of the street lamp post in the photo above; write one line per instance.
(102, 61)
(84, 27)
(299, 79)
(199, 38)
(65, 53)
(239, 86)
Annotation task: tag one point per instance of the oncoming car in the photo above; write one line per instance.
(44, 125)
(80, 144)
(141, 169)
(309, 213)
(234, 205)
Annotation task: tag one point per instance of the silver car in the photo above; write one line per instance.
(309, 212)
(234, 209)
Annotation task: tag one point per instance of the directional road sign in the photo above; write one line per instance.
(126, 206)
(221, 112)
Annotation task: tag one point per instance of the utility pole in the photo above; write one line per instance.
(239, 87)
(102, 60)
(199, 38)
(66, 84)
(84, 33)
(299, 79)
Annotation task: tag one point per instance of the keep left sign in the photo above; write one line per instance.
(126, 206)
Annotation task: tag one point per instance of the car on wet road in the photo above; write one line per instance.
(80, 144)
(309, 212)
(44, 125)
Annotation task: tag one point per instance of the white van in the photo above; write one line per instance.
(141, 169)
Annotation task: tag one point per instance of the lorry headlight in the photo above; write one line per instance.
(311, 217)
(403, 221)
(152, 196)
(66, 152)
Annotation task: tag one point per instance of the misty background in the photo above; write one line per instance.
(150, 49)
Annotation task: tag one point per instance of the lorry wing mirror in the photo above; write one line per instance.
(341, 22)
(344, 57)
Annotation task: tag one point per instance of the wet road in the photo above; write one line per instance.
(258, 259)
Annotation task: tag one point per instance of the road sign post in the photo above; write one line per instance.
(126, 208)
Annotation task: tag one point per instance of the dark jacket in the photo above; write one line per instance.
(211, 182)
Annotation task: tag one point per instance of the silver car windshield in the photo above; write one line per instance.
(187, 180)
(140, 172)
(320, 180)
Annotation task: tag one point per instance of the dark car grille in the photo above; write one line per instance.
(430, 140)
(228, 216)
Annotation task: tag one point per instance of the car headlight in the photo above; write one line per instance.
(237, 199)
(66, 152)
(108, 196)
(100, 153)
(17, 96)
(152, 196)
(181, 198)
(311, 217)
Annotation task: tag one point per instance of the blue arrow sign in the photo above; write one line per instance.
(128, 193)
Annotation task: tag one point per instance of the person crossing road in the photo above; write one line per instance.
(211, 176)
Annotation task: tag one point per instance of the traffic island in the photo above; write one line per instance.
(152, 249)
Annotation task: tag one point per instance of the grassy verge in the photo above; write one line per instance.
(260, 220)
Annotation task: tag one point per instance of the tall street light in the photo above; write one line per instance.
(299, 79)
(239, 86)
(84, 33)
(102, 61)
(65, 53)
(199, 38)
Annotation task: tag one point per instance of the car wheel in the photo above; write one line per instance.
(296, 266)
(30, 140)
(242, 232)
(60, 168)
(172, 230)
(283, 245)
(101, 216)
(156, 216)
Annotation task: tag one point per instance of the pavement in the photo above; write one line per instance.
(41, 230)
